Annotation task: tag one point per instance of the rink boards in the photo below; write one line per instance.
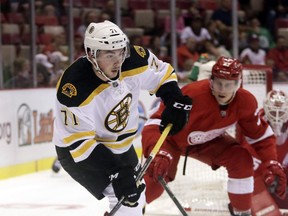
(26, 129)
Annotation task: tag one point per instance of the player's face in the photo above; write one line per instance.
(110, 61)
(223, 89)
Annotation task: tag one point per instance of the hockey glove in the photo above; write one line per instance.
(124, 185)
(273, 173)
(286, 173)
(176, 112)
(160, 165)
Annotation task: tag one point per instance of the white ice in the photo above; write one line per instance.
(48, 194)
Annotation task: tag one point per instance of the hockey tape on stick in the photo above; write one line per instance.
(145, 166)
(172, 196)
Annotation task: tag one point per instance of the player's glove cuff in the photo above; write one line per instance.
(275, 178)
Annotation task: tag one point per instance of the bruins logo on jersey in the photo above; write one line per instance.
(69, 90)
(117, 119)
(140, 50)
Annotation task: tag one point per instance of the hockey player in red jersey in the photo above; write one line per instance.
(218, 104)
(97, 114)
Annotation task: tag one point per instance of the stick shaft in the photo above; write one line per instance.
(145, 165)
(172, 196)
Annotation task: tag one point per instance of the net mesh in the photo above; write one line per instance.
(255, 81)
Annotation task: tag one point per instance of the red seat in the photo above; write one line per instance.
(3, 18)
(82, 3)
(281, 26)
(160, 4)
(77, 22)
(183, 4)
(146, 40)
(64, 20)
(137, 4)
(208, 4)
(127, 22)
(281, 23)
(99, 3)
(45, 38)
(15, 18)
(11, 39)
(160, 22)
(26, 39)
(46, 20)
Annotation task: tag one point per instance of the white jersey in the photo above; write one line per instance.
(90, 111)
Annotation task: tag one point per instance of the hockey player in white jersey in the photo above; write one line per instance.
(97, 115)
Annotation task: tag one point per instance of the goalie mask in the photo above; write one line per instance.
(105, 36)
(276, 111)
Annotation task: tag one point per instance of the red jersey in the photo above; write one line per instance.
(281, 145)
(208, 120)
(282, 157)
(282, 151)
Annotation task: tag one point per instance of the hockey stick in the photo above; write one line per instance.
(145, 166)
(172, 196)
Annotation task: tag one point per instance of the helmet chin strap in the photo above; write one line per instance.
(98, 70)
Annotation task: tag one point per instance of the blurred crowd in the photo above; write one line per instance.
(201, 28)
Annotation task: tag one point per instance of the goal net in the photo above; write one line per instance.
(203, 191)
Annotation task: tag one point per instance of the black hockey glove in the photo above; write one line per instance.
(124, 184)
(176, 112)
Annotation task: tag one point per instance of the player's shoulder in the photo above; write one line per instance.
(245, 98)
(262, 113)
(77, 82)
(244, 94)
(138, 58)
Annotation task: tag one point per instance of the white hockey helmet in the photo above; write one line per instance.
(276, 110)
(104, 36)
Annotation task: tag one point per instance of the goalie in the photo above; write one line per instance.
(275, 111)
(218, 104)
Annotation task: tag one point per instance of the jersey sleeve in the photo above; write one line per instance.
(151, 73)
(256, 130)
(157, 72)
